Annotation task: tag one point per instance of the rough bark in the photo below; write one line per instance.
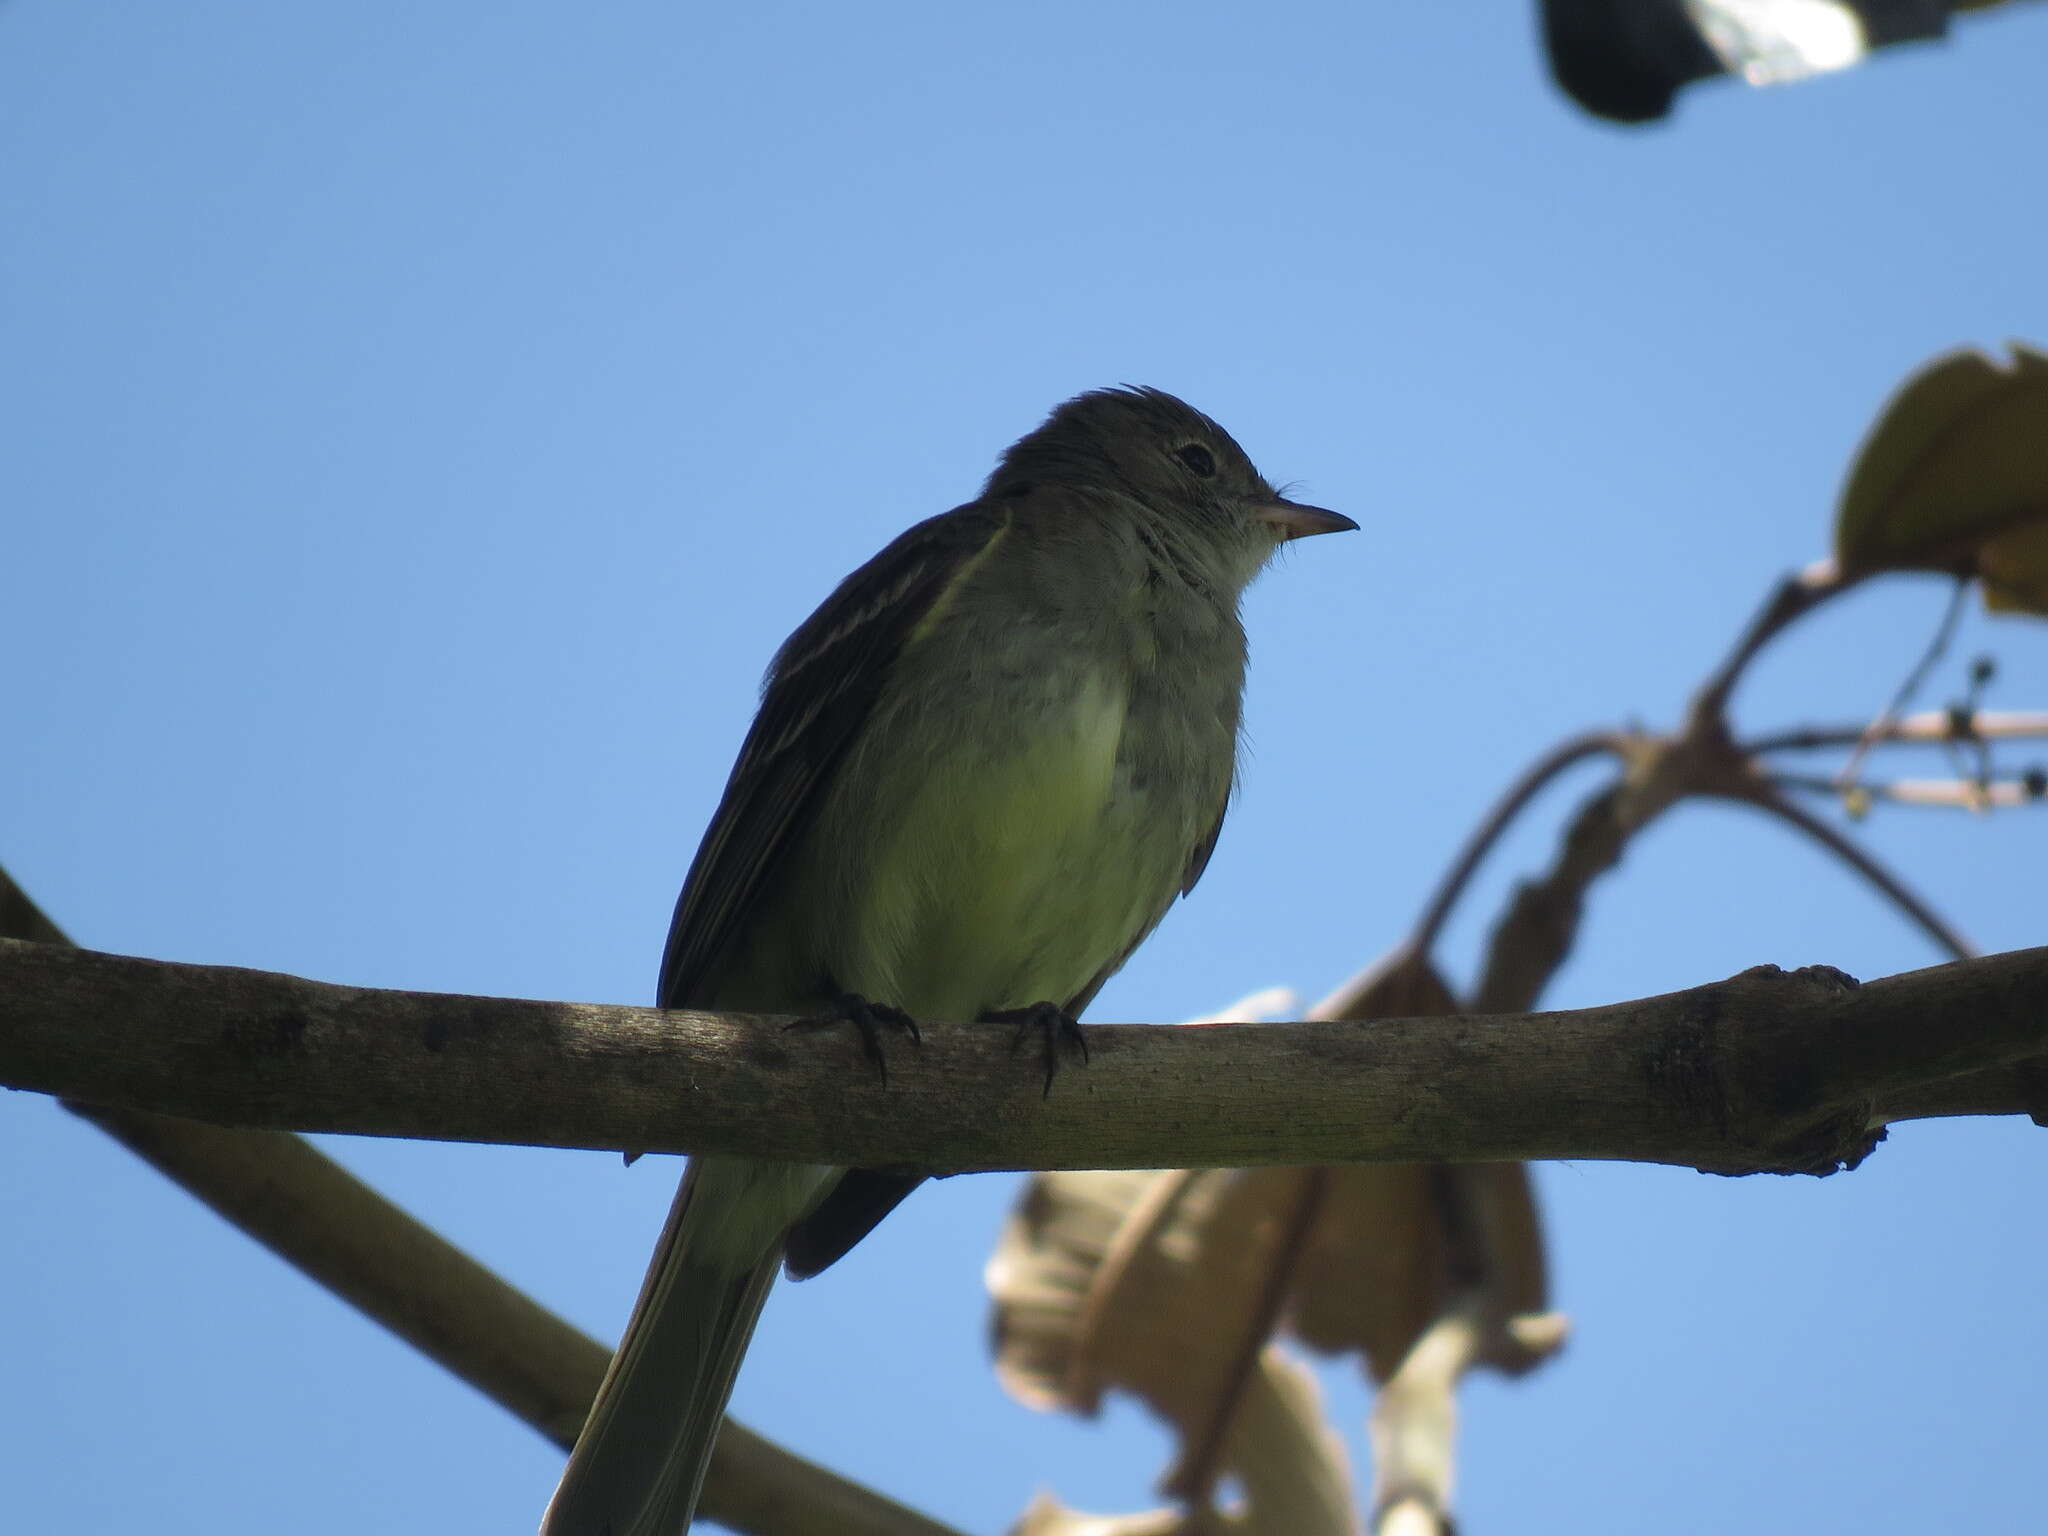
(1767, 1071)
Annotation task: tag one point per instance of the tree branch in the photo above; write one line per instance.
(340, 1233)
(1768, 1071)
(323, 1220)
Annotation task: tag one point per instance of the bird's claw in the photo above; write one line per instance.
(869, 1020)
(1053, 1025)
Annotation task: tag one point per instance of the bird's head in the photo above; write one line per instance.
(1161, 458)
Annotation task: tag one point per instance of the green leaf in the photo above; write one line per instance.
(1954, 478)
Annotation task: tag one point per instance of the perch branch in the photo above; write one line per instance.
(1767, 1071)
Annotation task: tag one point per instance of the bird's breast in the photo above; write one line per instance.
(1042, 828)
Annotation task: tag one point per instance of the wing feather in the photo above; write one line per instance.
(820, 687)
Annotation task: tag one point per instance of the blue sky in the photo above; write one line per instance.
(423, 423)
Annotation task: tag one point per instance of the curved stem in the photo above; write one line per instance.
(1936, 649)
(1886, 883)
(1534, 779)
(1796, 596)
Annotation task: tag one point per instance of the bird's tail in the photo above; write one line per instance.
(640, 1459)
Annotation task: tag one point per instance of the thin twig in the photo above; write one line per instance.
(1795, 597)
(1931, 727)
(1936, 649)
(1883, 880)
(1946, 794)
(1536, 931)
(1534, 779)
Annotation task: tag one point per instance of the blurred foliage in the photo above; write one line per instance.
(1953, 477)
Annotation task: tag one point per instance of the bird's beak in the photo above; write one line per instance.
(1296, 521)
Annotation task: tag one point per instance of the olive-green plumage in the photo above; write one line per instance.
(981, 773)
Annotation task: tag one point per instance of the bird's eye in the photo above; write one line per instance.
(1197, 458)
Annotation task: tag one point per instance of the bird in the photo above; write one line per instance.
(980, 774)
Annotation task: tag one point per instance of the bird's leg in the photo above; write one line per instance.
(869, 1020)
(1054, 1027)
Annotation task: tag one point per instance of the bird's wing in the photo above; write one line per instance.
(820, 687)
(1198, 856)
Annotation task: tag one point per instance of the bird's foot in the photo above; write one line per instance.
(869, 1020)
(1054, 1026)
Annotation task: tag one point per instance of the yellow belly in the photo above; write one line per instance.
(1012, 878)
